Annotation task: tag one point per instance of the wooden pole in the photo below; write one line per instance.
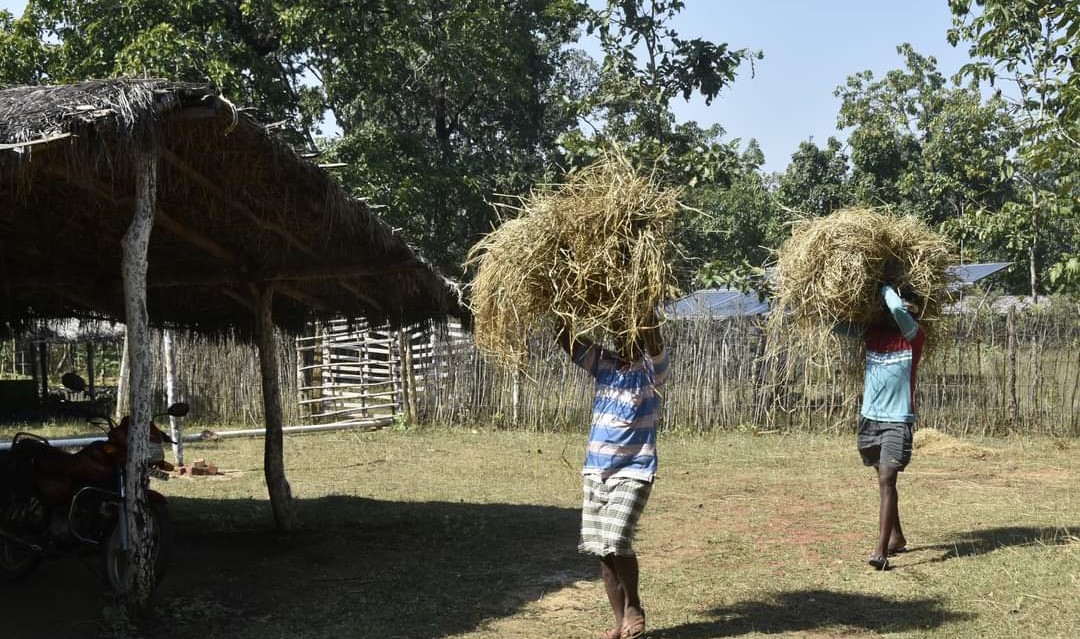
(43, 366)
(172, 395)
(403, 374)
(122, 381)
(1010, 369)
(273, 451)
(90, 390)
(136, 244)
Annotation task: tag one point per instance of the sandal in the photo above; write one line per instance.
(634, 630)
(879, 563)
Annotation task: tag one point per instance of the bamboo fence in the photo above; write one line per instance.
(990, 374)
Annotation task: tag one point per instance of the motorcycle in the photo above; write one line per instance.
(56, 503)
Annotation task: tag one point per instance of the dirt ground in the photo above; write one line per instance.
(465, 534)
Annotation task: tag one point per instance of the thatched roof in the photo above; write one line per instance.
(236, 207)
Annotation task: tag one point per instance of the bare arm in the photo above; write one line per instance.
(904, 321)
(654, 342)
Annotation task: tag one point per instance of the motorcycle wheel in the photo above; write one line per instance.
(17, 561)
(117, 566)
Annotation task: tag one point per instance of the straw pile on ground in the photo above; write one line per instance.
(590, 253)
(930, 441)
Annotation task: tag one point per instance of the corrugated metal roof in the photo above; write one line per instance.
(726, 302)
(965, 274)
(717, 302)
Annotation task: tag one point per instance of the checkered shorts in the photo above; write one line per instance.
(609, 514)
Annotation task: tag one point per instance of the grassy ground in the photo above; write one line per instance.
(472, 534)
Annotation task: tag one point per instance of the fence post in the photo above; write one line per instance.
(402, 381)
(1010, 369)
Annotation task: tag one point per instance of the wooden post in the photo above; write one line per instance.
(403, 373)
(136, 244)
(1010, 369)
(411, 368)
(43, 366)
(172, 395)
(90, 391)
(122, 381)
(273, 451)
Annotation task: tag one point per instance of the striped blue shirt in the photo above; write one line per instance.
(622, 441)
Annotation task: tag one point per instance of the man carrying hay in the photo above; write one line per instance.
(894, 346)
(844, 270)
(620, 462)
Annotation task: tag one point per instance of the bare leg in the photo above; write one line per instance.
(625, 570)
(613, 585)
(888, 512)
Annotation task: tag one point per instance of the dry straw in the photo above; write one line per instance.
(830, 271)
(590, 253)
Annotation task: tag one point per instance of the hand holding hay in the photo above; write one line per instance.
(590, 254)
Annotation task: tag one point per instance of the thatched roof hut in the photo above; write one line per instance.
(236, 207)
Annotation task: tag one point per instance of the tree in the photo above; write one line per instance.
(443, 104)
(238, 47)
(1032, 44)
(816, 181)
(647, 65)
(923, 146)
(22, 53)
(731, 228)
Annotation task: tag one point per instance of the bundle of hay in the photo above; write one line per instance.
(831, 268)
(830, 272)
(591, 253)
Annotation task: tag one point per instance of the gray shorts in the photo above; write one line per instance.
(884, 443)
(609, 514)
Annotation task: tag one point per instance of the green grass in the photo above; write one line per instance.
(472, 534)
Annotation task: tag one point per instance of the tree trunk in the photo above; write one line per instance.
(172, 395)
(135, 246)
(273, 453)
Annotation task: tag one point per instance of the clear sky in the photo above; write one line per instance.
(810, 47)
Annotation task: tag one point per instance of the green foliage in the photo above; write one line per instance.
(646, 65)
(1031, 44)
(816, 181)
(444, 104)
(23, 55)
(1064, 276)
(924, 146)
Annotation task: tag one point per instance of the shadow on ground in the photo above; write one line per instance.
(358, 567)
(806, 610)
(980, 542)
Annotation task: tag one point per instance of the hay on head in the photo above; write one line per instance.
(590, 254)
(829, 272)
(831, 268)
